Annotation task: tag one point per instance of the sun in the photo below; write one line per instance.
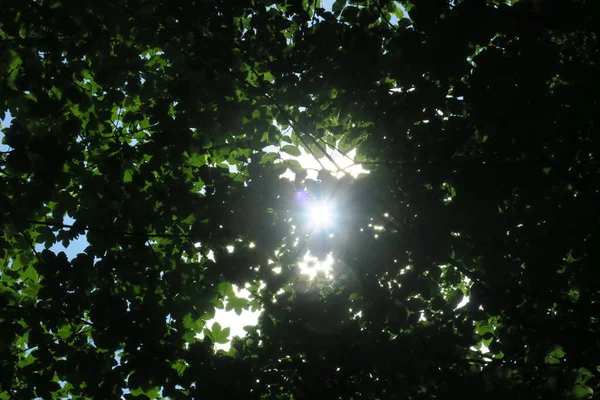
(321, 215)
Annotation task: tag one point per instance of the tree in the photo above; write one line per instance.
(156, 129)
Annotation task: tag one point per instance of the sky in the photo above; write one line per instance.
(5, 123)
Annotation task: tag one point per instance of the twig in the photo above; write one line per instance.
(30, 242)
(385, 18)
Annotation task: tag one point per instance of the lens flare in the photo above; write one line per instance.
(321, 215)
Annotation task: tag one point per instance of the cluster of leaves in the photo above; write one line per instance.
(149, 123)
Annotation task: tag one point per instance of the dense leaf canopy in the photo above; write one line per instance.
(157, 131)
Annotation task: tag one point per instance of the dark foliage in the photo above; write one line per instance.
(157, 129)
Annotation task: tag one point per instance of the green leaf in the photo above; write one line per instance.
(46, 236)
(31, 274)
(128, 176)
(582, 391)
(395, 10)
(294, 166)
(233, 352)
(225, 289)
(286, 138)
(338, 5)
(237, 304)
(65, 332)
(153, 393)
(189, 336)
(180, 366)
(31, 292)
(404, 23)
(354, 297)
(291, 150)
(197, 160)
(14, 64)
(555, 356)
(315, 151)
(218, 334)
(350, 14)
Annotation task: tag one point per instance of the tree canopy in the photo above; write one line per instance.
(158, 131)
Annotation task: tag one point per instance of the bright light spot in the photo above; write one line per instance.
(277, 270)
(345, 162)
(288, 174)
(312, 266)
(483, 349)
(211, 255)
(463, 302)
(236, 323)
(230, 249)
(251, 245)
(320, 215)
